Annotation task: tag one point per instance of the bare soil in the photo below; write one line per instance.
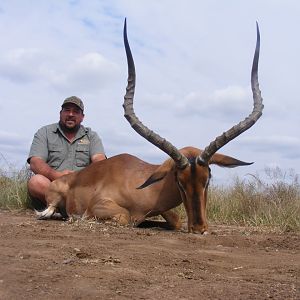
(91, 260)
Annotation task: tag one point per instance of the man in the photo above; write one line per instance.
(61, 148)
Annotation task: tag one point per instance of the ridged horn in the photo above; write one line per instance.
(180, 160)
(236, 130)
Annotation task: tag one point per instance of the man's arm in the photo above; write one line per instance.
(39, 166)
(96, 148)
(98, 157)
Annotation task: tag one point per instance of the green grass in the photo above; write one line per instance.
(272, 202)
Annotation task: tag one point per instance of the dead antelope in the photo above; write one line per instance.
(128, 189)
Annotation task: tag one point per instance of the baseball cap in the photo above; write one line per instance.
(75, 100)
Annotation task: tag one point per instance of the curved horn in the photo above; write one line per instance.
(236, 130)
(180, 160)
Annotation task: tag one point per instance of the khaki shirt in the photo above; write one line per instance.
(51, 145)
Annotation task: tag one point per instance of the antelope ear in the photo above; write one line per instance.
(227, 161)
(159, 173)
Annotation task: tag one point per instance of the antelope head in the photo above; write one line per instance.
(191, 165)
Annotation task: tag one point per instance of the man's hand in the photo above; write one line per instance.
(62, 173)
(39, 166)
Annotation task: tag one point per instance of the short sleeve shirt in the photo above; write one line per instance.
(51, 145)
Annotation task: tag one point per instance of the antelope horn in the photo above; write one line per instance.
(236, 130)
(180, 160)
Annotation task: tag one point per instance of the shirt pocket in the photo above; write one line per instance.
(55, 156)
(82, 155)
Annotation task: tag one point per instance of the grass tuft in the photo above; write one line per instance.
(272, 202)
(13, 185)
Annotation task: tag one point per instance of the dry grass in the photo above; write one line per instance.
(272, 202)
(13, 185)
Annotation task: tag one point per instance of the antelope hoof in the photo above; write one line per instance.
(45, 214)
(198, 229)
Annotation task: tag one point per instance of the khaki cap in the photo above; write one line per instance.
(75, 100)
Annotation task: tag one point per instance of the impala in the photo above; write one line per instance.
(128, 190)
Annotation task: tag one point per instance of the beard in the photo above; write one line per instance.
(69, 127)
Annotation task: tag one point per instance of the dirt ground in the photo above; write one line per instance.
(90, 260)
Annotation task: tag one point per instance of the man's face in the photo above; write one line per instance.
(71, 116)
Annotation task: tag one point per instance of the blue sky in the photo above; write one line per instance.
(193, 61)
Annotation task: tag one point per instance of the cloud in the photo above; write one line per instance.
(285, 146)
(13, 149)
(193, 72)
(158, 101)
(21, 65)
(118, 141)
(91, 72)
(223, 104)
(11, 138)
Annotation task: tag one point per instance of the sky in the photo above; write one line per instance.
(193, 61)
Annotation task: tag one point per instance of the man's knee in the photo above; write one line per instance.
(37, 186)
(38, 183)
